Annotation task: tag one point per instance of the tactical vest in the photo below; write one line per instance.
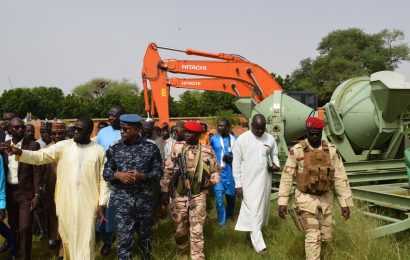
(318, 174)
(197, 177)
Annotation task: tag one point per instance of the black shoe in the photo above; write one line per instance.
(105, 249)
(4, 247)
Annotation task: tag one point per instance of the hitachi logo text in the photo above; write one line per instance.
(190, 83)
(193, 67)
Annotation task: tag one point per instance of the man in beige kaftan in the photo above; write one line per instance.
(80, 187)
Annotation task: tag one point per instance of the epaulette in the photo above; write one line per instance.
(149, 141)
(115, 143)
(297, 146)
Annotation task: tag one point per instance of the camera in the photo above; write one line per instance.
(228, 157)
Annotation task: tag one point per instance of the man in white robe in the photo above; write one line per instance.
(252, 153)
(80, 188)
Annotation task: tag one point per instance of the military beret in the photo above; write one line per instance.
(314, 123)
(130, 119)
(193, 126)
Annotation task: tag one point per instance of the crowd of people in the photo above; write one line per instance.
(116, 183)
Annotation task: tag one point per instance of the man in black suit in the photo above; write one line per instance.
(22, 189)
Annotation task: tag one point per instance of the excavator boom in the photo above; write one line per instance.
(225, 72)
(233, 87)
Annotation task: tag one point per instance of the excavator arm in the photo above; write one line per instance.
(224, 70)
(233, 87)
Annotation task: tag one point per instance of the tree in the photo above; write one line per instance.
(190, 104)
(226, 115)
(42, 102)
(105, 93)
(344, 54)
(214, 102)
(19, 100)
(120, 93)
(77, 106)
(49, 102)
(94, 88)
(283, 82)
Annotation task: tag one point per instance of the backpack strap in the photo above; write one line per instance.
(304, 145)
(325, 146)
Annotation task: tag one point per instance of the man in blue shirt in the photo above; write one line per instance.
(107, 136)
(4, 230)
(223, 143)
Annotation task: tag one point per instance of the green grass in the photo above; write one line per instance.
(283, 240)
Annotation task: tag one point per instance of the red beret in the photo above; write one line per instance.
(315, 123)
(193, 126)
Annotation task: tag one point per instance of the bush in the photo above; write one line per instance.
(227, 115)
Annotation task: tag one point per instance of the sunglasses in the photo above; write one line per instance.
(125, 129)
(78, 129)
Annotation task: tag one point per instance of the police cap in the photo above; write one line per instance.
(130, 119)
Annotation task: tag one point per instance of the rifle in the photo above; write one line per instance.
(185, 178)
(296, 219)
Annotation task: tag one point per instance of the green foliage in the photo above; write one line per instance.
(19, 100)
(226, 115)
(285, 83)
(344, 54)
(190, 104)
(103, 93)
(49, 102)
(282, 239)
(208, 103)
(76, 106)
(92, 89)
(42, 102)
(120, 93)
(216, 102)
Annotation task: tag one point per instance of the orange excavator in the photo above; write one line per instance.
(228, 73)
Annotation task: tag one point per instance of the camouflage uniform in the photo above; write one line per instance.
(186, 219)
(315, 210)
(133, 201)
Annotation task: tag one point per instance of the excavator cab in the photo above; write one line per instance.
(306, 97)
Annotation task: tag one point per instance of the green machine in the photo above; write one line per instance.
(367, 119)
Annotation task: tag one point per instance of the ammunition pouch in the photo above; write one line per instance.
(206, 178)
(193, 182)
(318, 174)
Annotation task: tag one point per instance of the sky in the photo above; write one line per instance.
(67, 43)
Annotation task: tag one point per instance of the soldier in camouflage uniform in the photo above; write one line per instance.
(189, 212)
(319, 170)
(132, 164)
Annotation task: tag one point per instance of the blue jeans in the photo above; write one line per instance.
(224, 214)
